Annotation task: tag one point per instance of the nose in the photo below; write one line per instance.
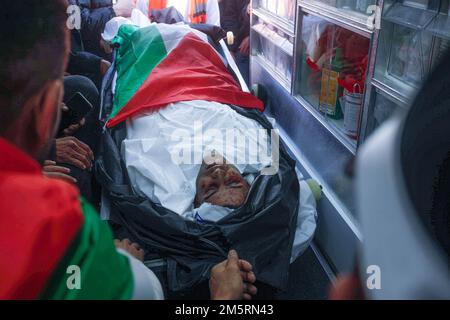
(218, 173)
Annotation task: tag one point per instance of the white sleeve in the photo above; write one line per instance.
(213, 12)
(306, 221)
(146, 284)
(142, 5)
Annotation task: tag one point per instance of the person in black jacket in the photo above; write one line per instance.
(235, 17)
(88, 57)
(94, 16)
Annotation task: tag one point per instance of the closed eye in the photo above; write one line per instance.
(210, 192)
(234, 184)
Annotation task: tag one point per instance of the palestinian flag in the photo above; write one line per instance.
(163, 64)
(47, 235)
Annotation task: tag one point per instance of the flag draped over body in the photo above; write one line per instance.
(163, 64)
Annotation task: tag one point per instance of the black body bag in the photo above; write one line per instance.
(262, 230)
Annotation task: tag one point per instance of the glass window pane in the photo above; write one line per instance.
(276, 49)
(357, 7)
(381, 109)
(332, 72)
(283, 8)
(405, 47)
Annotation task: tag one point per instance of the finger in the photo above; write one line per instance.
(219, 266)
(49, 163)
(77, 163)
(71, 130)
(83, 158)
(74, 127)
(245, 265)
(244, 276)
(246, 296)
(81, 147)
(250, 289)
(79, 152)
(59, 169)
(64, 107)
(117, 242)
(126, 241)
(67, 132)
(249, 277)
(86, 148)
(82, 122)
(233, 259)
(61, 176)
(134, 244)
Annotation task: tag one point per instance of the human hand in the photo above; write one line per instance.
(104, 66)
(72, 151)
(106, 46)
(70, 131)
(232, 279)
(244, 48)
(132, 248)
(51, 170)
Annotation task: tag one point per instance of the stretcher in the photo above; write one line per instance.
(182, 252)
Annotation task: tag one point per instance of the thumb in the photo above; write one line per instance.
(233, 259)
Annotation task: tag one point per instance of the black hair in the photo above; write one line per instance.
(32, 47)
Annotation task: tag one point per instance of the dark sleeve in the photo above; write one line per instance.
(52, 151)
(244, 21)
(92, 4)
(229, 17)
(93, 23)
(100, 3)
(85, 64)
(244, 18)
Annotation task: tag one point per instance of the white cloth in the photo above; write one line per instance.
(154, 144)
(212, 9)
(113, 25)
(153, 139)
(146, 284)
(306, 221)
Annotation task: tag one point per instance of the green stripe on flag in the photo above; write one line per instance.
(140, 51)
(105, 274)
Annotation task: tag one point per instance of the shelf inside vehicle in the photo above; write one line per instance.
(282, 43)
(440, 27)
(408, 16)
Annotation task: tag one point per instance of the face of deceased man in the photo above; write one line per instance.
(221, 184)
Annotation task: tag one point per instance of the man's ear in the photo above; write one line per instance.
(42, 118)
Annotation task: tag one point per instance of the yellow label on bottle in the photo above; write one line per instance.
(329, 91)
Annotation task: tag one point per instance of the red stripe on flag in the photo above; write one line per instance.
(192, 71)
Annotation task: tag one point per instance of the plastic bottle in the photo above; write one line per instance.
(330, 89)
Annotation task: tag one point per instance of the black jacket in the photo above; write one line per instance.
(234, 17)
(94, 16)
(85, 64)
